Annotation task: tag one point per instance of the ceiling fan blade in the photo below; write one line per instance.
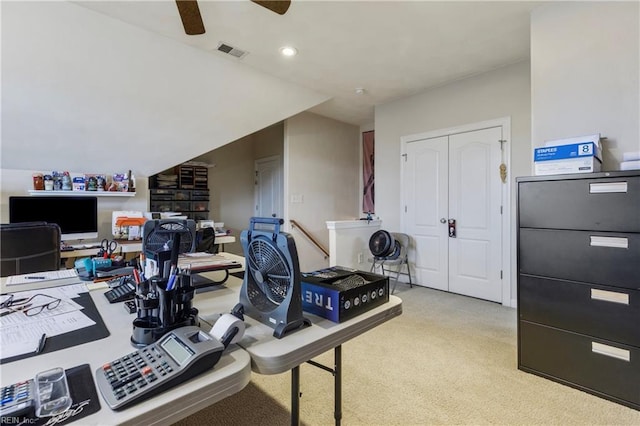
(278, 6)
(190, 15)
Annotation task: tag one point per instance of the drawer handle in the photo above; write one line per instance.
(611, 351)
(604, 188)
(610, 296)
(615, 242)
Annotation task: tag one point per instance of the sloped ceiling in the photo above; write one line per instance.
(80, 89)
(392, 49)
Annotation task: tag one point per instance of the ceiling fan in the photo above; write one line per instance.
(192, 20)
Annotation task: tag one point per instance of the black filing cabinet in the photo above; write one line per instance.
(579, 281)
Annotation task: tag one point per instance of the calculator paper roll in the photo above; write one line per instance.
(224, 323)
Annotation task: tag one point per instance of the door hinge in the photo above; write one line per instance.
(405, 157)
(405, 209)
(500, 209)
(500, 274)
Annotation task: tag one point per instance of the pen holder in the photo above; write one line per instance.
(161, 310)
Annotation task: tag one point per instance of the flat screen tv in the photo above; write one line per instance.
(76, 216)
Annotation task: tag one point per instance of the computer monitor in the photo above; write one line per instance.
(77, 216)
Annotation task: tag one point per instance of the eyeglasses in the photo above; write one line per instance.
(27, 305)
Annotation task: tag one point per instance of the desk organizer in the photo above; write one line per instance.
(161, 310)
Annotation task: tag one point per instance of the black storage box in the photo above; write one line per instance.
(340, 293)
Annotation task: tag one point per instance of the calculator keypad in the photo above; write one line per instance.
(153, 369)
(133, 372)
(121, 293)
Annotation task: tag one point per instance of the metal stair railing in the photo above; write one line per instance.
(310, 237)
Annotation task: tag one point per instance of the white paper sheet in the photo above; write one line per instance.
(19, 339)
(21, 334)
(42, 276)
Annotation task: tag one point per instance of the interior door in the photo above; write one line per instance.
(456, 178)
(475, 254)
(268, 187)
(427, 198)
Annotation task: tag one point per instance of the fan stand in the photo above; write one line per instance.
(271, 290)
(282, 329)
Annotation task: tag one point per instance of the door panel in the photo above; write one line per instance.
(475, 188)
(268, 193)
(426, 203)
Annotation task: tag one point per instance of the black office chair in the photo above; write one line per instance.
(29, 247)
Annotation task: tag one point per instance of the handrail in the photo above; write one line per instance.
(310, 237)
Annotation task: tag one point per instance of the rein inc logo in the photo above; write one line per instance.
(17, 420)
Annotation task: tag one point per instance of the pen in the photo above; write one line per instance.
(35, 278)
(43, 341)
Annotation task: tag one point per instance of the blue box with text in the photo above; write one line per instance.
(340, 293)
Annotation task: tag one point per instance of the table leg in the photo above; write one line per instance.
(337, 413)
(295, 396)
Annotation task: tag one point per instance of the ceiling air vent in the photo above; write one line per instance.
(225, 48)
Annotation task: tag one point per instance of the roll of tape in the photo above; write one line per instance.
(227, 322)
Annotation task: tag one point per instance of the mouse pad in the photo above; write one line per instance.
(83, 394)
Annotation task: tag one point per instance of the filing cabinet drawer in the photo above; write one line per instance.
(590, 257)
(181, 206)
(161, 206)
(155, 192)
(182, 195)
(604, 204)
(610, 370)
(606, 312)
(200, 195)
(199, 206)
(163, 197)
(199, 216)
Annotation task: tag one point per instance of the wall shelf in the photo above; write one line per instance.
(35, 193)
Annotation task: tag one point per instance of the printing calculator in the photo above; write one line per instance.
(18, 399)
(176, 357)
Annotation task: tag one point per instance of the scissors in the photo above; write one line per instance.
(107, 248)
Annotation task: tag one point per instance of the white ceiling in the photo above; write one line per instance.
(392, 49)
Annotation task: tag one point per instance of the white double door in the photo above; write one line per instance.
(456, 178)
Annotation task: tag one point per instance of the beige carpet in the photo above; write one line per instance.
(447, 359)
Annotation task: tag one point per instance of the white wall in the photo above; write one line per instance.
(500, 93)
(585, 74)
(321, 170)
(82, 91)
(349, 243)
(231, 180)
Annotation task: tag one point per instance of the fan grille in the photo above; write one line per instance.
(270, 271)
(161, 238)
(380, 243)
(351, 281)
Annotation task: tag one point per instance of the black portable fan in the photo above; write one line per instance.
(271, 291)
(159, 234)
(382, 244)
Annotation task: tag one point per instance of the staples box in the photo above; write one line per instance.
(339, 293)
(585, 156)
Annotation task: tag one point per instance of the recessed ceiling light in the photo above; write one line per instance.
(359, 91)
(289, 51)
